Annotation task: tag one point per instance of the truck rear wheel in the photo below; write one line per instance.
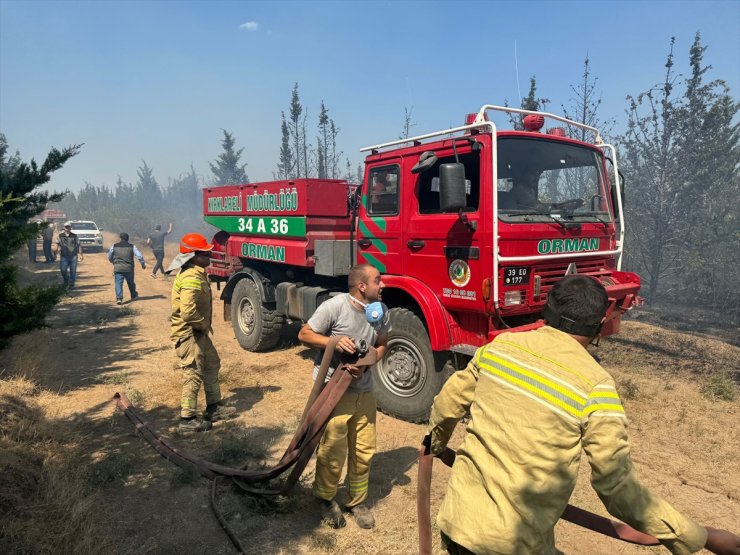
(410, 374)
(256, 327)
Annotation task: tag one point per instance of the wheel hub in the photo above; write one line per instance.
(402, 370)
(246, 316)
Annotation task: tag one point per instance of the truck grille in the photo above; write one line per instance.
(549, 274)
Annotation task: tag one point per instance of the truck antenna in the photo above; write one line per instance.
(516, 67)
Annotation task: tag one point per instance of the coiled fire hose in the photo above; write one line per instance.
(319, 406)
(581, 517)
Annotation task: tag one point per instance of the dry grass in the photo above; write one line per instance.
(61, 444)
(41, 480)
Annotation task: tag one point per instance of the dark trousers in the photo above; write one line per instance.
(32, 250)
(159, 257)
(47, 251)
(129, 277)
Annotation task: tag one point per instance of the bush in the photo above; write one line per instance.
(720, 386)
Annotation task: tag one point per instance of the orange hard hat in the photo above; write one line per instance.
(192, 242)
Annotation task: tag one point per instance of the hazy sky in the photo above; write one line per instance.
(157, 81)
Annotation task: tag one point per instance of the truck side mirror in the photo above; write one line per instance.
(614, 193)
(452, 187)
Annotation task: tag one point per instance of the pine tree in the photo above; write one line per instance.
(148, 188)
(529, 102)
(297, 130)
(183, 200)
(286, 163)
(584, 107)
(652, 167)
(408, 122)
(226, 169)
(333, 155)
(710, 189)
(297, 138)
(24, 309)
(323, 141)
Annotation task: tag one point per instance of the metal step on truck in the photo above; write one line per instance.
(470, 227)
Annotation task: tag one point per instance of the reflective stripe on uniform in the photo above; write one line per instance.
(359, 486)
(528, 381)
(554, 393)
(187, 283)
(604, 398)
(324, 493)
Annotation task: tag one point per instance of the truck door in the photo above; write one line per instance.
(444, 249)
(379, 225)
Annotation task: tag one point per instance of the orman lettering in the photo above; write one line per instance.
(557, 246)
(263, 252)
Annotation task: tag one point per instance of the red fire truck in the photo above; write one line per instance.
(469, 226)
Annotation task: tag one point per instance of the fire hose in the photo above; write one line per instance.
(580, 517)
(321, 402)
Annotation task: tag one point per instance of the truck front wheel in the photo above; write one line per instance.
(256, 327)
(410, 374)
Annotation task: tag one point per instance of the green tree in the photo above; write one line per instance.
(322, 149)
(327, 156)
(24, 308)
(286, 162)
(710, 188)
(147, 188)
(184, 202)
(584, 107)
(227, 169)
(529, 102)
(297, 130)
(652, 166)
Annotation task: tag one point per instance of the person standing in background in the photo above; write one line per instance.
(156, 242)
(192, 310)
(48, 235)
(69, 249)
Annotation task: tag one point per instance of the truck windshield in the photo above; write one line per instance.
(84, 226)
(539, 177)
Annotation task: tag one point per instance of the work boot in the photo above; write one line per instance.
(363, 516)
(189, 425)
(331, 514)
(217, 411)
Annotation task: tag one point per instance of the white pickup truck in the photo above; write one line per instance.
(89, 234)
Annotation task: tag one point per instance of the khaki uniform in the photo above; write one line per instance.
(191, 324)
(536, 399)
(351, 430)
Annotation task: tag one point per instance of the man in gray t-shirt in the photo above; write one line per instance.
(356, 315)
(156, 242)
(341, 316)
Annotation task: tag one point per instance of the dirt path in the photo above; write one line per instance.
(685, 446)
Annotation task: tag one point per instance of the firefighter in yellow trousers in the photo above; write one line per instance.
(536, 399)
(190, 329)
(350, 432)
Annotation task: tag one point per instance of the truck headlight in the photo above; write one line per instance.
(512, 298)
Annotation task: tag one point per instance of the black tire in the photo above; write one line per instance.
(410, 374)
(256, 327)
